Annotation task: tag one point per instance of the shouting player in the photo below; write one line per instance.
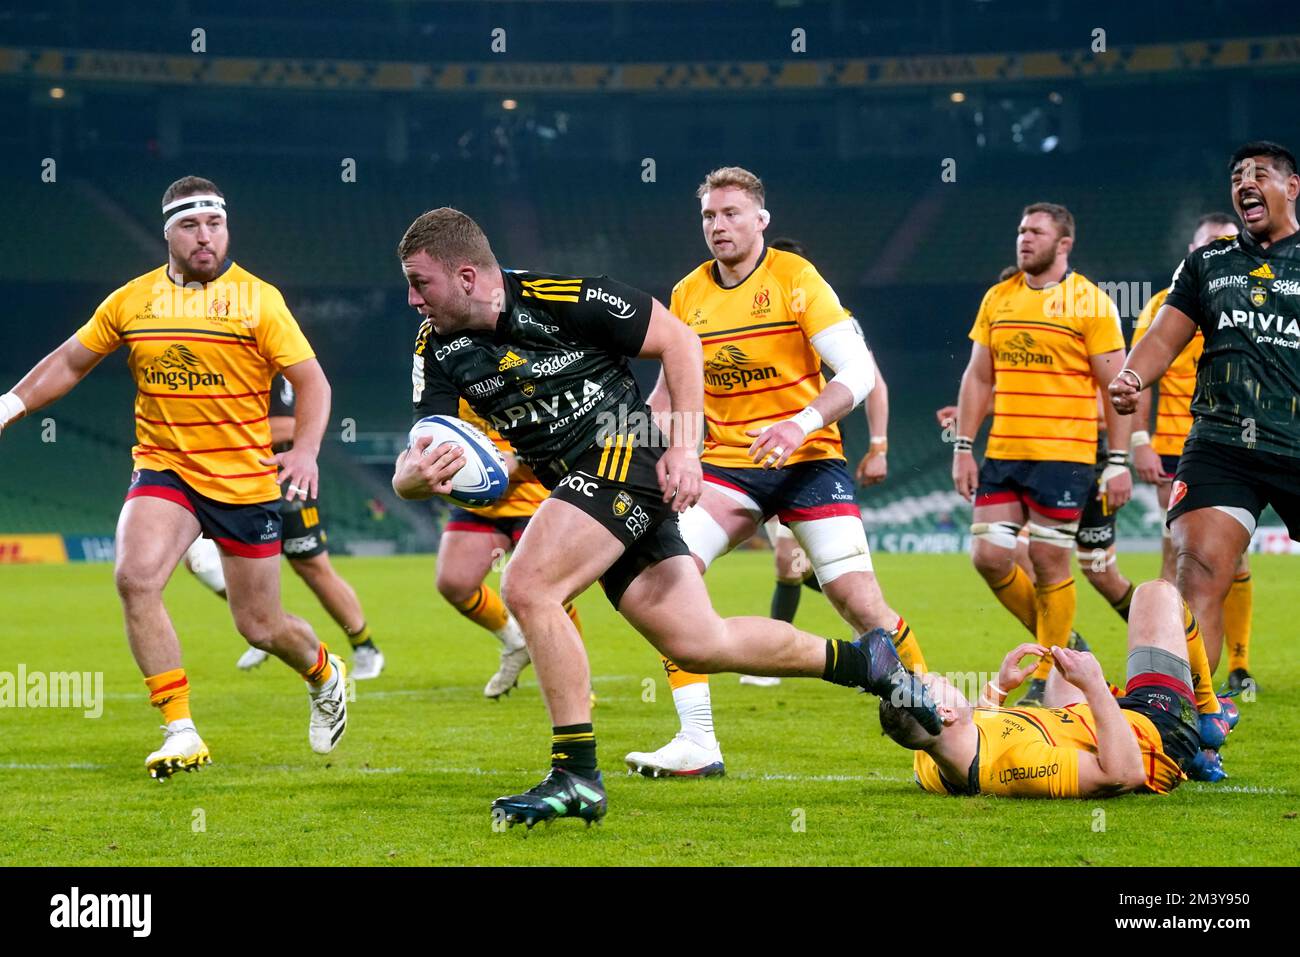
(545, 360)
(1155, 457)
(1083, 742)
(302, 539)
(1043, 342)
(768, 322)
(1243, 450)
(205, 337)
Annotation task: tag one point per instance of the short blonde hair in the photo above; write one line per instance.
(449, 237)
(736, 176)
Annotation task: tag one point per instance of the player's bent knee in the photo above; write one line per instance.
(260, 631)
(133, 585)
(456, 589)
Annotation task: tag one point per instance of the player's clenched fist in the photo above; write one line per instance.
(1124, 389)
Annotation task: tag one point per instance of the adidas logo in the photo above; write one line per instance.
(1263, 272)
(510, 361)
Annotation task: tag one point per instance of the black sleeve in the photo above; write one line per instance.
(1185, 288)
(609, 314)
(431, 391)
(282, 397)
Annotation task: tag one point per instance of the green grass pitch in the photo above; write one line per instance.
(810, 780)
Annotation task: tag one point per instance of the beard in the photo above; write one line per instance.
(1037, 264)
(734, 255)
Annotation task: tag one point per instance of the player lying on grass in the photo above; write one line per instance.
(1083, 742)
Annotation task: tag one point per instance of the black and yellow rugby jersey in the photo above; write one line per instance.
(552, 372)
(1246, 300)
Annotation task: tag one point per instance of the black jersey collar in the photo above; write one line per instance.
(717, 276)
(1246, 240)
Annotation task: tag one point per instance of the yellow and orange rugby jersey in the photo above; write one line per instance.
(1174, 408)
(1045, 398)
(1035, 753)
(524, 494)
(759, 363)
(203, 358)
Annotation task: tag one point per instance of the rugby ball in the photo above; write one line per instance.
(483, 478)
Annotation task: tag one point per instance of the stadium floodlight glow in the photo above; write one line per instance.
(57, 93)
(1055, 98)
(509, 104)
(957, 96)
(1050, 143)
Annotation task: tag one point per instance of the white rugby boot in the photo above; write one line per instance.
(329, 710)
(680, 757)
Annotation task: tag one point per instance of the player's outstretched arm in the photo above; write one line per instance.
(50, 379)
(681, 356)
(298, 470)
(1116, 768)
(972, 403)
(875, 466)
(1151, 357)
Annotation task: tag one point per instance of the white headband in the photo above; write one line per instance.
(191, 205)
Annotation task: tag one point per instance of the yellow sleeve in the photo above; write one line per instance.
(1036, 769)
(677, 303)
(101, 332)
(279, 339)
(821, 306)
(981, 331)
(1102, 332)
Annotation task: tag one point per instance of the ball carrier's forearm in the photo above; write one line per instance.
(677, 401)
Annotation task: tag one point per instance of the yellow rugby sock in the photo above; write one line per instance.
(908, 648)
(572, 611)
(1238, 610)
(360, 638)
(484, 608)
(1054, 604)
(322, 671)
(1016, 592)
(1206, 701)
(680, 679)
(169, 692)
